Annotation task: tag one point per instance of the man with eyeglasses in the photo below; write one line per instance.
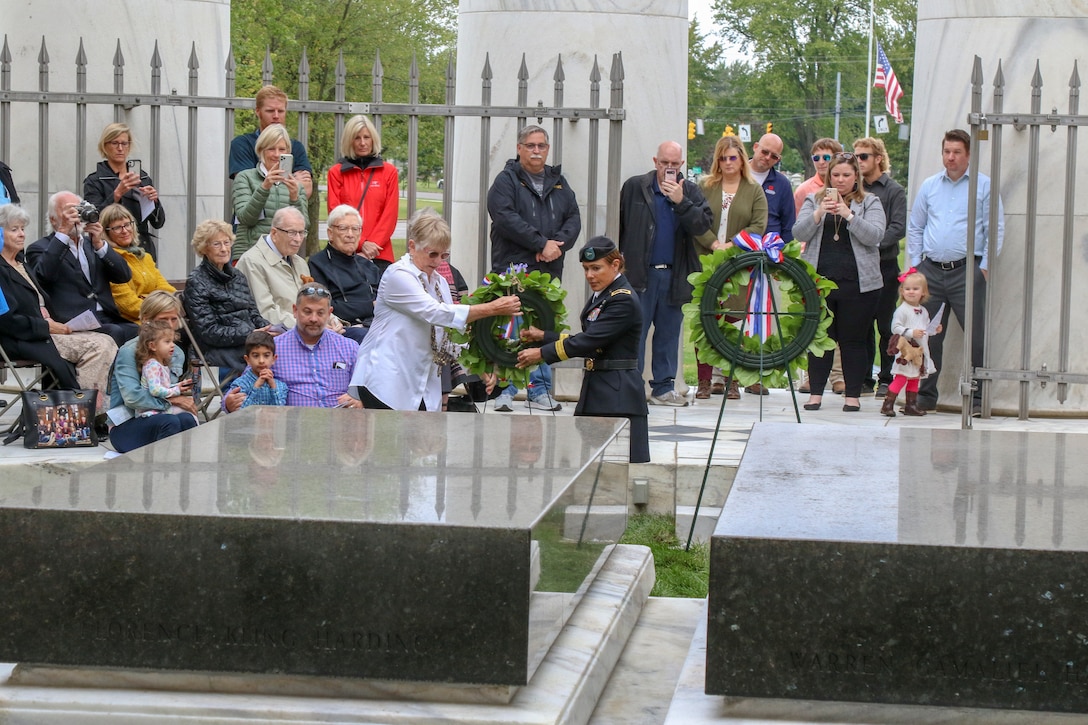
(75, 266)
(872, 159)
(937, 247)
(822, 151)
(274, 269)
(781, 214)
(661, 215)
(314, 362)
(534, 221)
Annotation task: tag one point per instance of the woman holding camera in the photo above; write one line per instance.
(120, 228)
(363, 180)
(260, 192)
(120, 180)
(842, 227)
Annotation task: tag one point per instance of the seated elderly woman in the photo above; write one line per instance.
(400, 359)
(218, 302)
(120, 227)
(351, 278)
(28, 333)
(260, 192)
(127, 395)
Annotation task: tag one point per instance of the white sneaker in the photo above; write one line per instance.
(543, 402)
(504, 403)
(671, 398)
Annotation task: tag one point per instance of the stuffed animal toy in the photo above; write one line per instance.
(910, 352)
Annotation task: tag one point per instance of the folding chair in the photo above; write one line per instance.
(36, 376)
(207, 409)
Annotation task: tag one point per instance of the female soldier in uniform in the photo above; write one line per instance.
(611, 333)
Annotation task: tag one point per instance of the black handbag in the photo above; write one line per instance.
(59, 419)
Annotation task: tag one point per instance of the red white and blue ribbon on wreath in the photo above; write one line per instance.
(760, 304)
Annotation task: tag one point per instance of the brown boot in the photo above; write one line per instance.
(732, 390)
(911, 408)
(703, 391)
(888, 408)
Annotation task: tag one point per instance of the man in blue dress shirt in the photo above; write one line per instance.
(937, 247)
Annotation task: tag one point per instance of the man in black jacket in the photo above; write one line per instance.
(661, 215)
(75, 266)
(534, 221)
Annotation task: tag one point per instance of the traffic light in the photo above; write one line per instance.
(770, 127)
(728, 131)
(691, 130)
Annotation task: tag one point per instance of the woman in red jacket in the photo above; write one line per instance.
(363, 180)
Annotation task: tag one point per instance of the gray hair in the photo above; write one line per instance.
(342, 211)
(428, 230)
(285, 211)
(54, 207)
(12, 215)
(528, 131)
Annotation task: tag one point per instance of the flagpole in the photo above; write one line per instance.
(869, 81)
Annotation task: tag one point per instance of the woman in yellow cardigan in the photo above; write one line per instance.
(121, 232)
(738, 204)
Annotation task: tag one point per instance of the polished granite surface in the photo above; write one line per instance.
(913, 566)
(317, 542)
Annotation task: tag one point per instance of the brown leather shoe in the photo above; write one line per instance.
(733, 393)
(703, 391)
(757, 389)
(911, 406)
(717, 389)
(888, 408)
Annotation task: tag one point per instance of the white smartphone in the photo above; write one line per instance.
(134, 166)
(670, 175)
(287, 163)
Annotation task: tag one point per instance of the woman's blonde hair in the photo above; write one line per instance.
(156, 303)
(352, 127)
(714, 178)
(110, 133)
(915, 277)
(269, 137)
(116, 213)
(428, 230)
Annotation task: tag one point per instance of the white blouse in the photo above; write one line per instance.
(396, 362)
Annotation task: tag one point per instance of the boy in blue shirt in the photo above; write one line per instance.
(257, 382)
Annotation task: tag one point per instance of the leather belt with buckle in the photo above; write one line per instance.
(954, 264)
(660, 266)
(592, 365)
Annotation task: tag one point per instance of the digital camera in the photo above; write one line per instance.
(88, 212)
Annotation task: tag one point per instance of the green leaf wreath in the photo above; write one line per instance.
(802, 319)
(486, 348)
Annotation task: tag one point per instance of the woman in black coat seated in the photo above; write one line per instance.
(25, 331)
(218, 302)
(351, 278)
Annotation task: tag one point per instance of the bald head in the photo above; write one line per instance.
(670, 155)
(766, 152)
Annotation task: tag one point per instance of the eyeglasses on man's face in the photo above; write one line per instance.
(292, 233)
(535, 146)
(865, 156)
(771, 154)
(345, 229)
(821, 157)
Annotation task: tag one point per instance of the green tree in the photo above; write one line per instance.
(797, 49)
(360, 29)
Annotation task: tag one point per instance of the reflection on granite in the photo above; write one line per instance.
(331, 542)
(915, 566)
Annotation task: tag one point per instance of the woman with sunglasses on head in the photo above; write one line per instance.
(408, 343)
(842, 228)
(116, 181)
(822, 151)
(121, 229)
(738, 204)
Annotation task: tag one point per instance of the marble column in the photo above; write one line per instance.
(1018, 33)
(175, 26)
(651, 35)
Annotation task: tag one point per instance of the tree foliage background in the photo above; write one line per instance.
(360, 29)
(797, 47)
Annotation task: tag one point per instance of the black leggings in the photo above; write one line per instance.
(853, 312)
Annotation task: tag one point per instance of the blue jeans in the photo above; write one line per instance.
(138, 432)
(668, 320)
(540, 382)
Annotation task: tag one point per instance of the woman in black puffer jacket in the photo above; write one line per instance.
(218, 302)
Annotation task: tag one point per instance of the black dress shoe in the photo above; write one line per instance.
(851, 408)
(813, 406)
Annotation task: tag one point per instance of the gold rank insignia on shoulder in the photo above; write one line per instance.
(620, 291)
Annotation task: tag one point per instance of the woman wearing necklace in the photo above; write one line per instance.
(738, 204)
(401, 358)
(841, 227)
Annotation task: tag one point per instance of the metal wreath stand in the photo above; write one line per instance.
(710, 311)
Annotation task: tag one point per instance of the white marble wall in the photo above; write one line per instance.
(651, 35)
(1018, 33)
(176, 25)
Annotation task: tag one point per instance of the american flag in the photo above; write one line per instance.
(885, 78)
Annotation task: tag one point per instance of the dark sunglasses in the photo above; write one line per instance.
(865, 157)
(734, 157)
(844, 156)
(314, 291)
(772, 154)
(821, 157)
